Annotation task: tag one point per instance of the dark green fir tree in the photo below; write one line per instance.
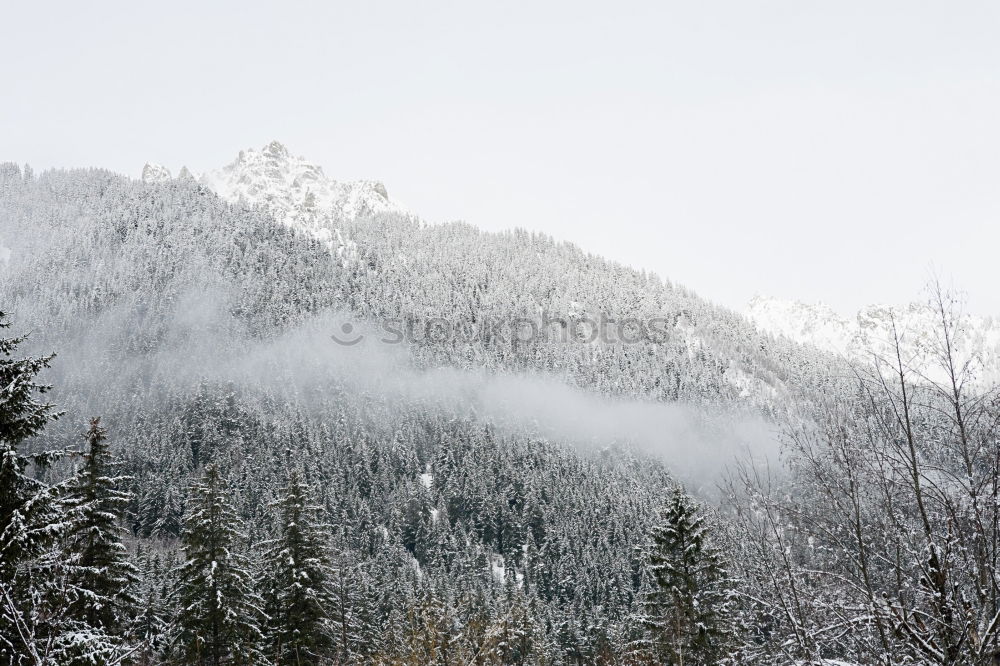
(300, 599)
(30, 515)
(685, 606)
(219, 614)
(103, 578)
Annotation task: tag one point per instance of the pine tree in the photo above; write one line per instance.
(103, 577)
(219, 616)
(169, 522)
(26, 506)
(153, 591)
(685, 607)
(300, 599)
(513, 631)
(347, 587)
(29, 509)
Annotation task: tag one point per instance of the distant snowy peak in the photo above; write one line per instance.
(155, 173)
(297, 191)
(871, 330)
(806, 323)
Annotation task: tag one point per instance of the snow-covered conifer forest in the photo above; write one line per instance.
(196, 468)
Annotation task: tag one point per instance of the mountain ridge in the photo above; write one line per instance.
(295, 191)
(870, 330)
(299, 195)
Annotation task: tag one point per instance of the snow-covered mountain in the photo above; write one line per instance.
(806, 323)
(977, 339)
(296, 191)
(155, 173)
(301, 196)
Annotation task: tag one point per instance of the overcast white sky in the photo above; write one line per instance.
(830, 151)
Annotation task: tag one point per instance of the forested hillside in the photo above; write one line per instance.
(370, 511)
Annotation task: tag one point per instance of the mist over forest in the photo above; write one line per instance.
(215, 476)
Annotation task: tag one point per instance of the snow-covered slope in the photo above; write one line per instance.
(296, 191)
(976, 339)
(805, 323)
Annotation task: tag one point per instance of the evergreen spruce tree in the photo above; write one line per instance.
(169, 522)
(219, 615)
(347, 588)
(150, 624)
(103, 578)
(26, 505)
(29, 509)
(685, 606)
(513, 631)
(299, 601)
